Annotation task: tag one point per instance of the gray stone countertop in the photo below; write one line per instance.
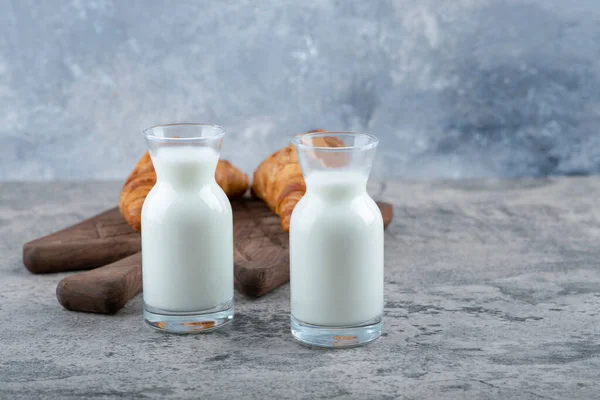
(492, 291)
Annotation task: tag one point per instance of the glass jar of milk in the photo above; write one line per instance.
(187, 232)
(336, 243)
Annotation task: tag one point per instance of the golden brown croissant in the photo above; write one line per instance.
(278, 180)
(143, 177)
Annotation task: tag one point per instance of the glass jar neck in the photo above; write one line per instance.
(184, 167)
(336, 185)
(185, 177)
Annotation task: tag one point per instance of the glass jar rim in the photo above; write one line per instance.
(218, 129)
(372, 140)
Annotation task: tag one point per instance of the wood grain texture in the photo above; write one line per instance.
(261, 263)
(261, 247)
(97, 241)
(103, 290)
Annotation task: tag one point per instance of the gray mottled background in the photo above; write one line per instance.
(454, 88)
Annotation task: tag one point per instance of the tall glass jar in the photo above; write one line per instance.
(336, 243)
(187, 232)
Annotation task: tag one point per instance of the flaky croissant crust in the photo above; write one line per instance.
(278, 180)
(143, 177)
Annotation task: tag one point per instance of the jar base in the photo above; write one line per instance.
(189, 322)
(336, 336)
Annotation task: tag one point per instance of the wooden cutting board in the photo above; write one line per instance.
(92, 243)
(261, 258)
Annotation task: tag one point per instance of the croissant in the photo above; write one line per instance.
(278, 180)
(143, 177)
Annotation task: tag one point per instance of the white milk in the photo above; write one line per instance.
(336, 252)
(187, 233)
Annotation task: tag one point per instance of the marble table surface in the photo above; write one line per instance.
(492, 291)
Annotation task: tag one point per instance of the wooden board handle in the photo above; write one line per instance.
(103, 290)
